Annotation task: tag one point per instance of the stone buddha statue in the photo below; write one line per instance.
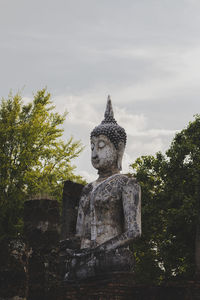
(109, 213)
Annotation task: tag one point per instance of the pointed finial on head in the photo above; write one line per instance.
(109, 109)
(110, 128)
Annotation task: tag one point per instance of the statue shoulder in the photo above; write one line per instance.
(131, 184)
(127, 179)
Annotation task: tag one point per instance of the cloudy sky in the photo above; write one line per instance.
(144, 53)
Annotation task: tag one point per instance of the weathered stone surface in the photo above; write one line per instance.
(71, 197)
(115, 286)
(109, 211)
(122, 286)
(41, 229)
(41, 278)
(13, 269)
(41, 223)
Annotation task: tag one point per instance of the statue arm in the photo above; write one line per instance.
(131, 197)
(131, 200)
(80, 218)
(74, 242)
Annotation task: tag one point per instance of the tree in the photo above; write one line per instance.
(170, 244)
(184, 156)
(149, 260)
(34, 160)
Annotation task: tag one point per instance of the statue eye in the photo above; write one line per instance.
(92, 146)
(101, 144)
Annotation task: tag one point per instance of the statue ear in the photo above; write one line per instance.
(121, 148)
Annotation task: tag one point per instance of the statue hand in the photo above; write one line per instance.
(82, 252)
(70, 243)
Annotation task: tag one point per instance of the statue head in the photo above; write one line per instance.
(108, 142)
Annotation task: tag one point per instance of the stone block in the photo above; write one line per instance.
(71, 196)
(41, 223)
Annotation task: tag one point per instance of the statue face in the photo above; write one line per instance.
(104, 153)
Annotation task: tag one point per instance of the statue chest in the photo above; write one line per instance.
(103, 212)
(103, 200)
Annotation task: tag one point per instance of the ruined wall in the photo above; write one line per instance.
(41, 232)
(13, 269)
(71, 196)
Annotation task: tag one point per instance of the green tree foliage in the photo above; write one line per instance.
(34, 160)
(148, 171)
(170, 210)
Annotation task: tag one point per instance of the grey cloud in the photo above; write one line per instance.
(145, 53)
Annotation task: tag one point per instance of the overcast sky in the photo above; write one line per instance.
(144, 53)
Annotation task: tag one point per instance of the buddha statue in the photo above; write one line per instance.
(109, 213)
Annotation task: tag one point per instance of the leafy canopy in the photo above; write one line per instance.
(34, 160)
(170, 209)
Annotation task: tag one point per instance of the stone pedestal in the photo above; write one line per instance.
(113, 286)
(122, 286)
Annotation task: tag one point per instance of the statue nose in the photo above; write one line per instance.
(94, 156)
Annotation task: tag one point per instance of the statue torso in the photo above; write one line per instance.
(100, 215)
